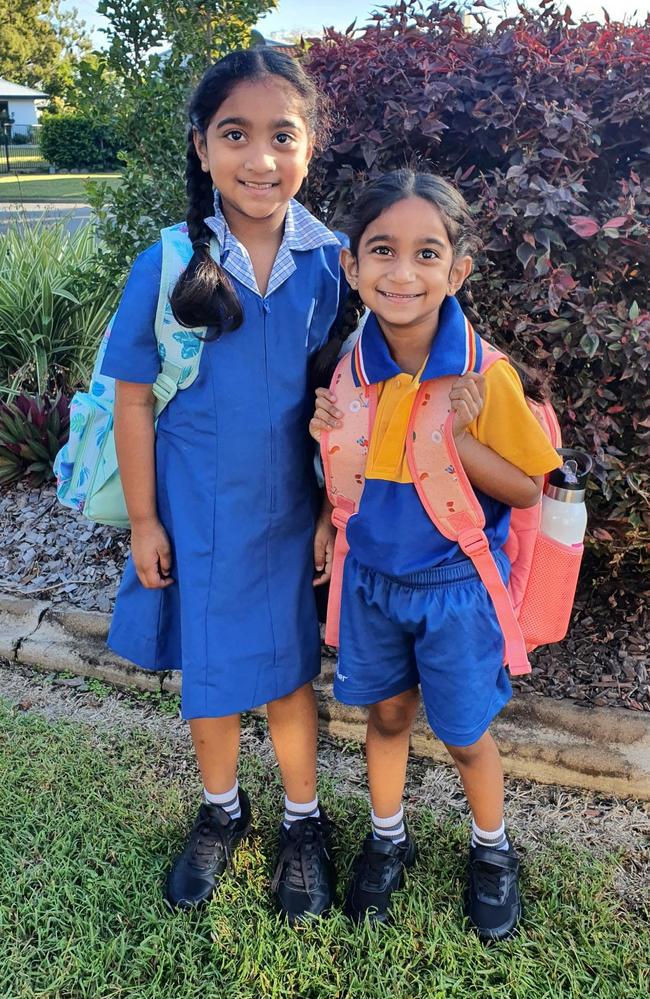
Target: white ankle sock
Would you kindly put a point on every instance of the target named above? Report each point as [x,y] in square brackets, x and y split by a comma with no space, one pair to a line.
[495,838]
[229,800]
[294,811]
[390,828]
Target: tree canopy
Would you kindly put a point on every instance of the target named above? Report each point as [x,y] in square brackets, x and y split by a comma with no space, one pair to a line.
[40,44]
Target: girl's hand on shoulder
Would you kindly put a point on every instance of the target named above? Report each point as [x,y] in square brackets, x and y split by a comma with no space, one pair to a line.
[466,396]
[326,415]
[324,538]
[152,554]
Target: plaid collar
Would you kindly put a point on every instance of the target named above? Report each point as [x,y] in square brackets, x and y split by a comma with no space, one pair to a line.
[301,232]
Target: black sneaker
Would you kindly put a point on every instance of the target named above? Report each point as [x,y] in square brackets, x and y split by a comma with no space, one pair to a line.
[493,902]
[378,872]
[304,879]
[207,854]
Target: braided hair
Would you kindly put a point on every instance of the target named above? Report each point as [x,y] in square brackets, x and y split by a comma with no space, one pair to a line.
[377,197]
[204,294]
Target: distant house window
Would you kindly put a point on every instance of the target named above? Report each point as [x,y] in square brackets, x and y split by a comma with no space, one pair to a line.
[4,110]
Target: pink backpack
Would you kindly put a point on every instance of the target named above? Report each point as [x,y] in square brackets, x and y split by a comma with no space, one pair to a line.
[536,606]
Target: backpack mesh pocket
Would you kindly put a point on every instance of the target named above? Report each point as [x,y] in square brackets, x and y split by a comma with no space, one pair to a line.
[546,607]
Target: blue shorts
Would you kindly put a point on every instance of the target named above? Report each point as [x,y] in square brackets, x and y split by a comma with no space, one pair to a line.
[436,628]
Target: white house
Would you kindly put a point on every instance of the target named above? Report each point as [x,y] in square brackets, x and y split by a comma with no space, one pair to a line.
[19,103]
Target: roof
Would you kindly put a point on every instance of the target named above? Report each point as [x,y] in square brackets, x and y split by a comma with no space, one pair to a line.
[289,48]
[13,90]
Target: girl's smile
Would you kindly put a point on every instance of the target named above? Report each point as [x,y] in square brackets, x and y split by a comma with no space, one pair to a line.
[393,296]
[254,186]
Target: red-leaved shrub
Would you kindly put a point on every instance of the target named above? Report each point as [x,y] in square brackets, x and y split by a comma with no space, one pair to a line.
[545,126]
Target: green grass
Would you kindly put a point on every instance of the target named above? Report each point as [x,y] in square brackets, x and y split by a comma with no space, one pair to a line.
[51,187]
[88,832]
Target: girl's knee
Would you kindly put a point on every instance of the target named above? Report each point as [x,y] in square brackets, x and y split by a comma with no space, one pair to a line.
[395,715]
[465,756]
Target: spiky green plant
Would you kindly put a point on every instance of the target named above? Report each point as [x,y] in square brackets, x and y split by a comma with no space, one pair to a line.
[52,308]
[32,429]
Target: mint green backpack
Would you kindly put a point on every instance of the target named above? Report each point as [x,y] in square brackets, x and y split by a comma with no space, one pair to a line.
[88,479]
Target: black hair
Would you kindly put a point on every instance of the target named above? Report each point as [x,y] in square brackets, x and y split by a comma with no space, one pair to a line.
[375,198]
[204,294]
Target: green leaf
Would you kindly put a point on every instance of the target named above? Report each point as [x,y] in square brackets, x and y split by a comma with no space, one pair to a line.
[634,311]
[525,253]
[64,293]
[557,326]
[590,343]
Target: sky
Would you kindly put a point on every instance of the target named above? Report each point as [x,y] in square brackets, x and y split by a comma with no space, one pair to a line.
[308,16]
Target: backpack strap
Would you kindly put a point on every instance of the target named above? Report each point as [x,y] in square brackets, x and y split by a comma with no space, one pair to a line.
[344,451]
[450,501]
[179,348]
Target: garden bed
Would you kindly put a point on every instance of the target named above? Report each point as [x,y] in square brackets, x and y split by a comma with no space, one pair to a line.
[47,552]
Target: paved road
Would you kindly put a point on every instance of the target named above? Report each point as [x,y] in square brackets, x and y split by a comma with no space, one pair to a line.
[24,213]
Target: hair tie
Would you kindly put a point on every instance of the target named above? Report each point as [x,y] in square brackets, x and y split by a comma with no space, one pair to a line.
[202,243]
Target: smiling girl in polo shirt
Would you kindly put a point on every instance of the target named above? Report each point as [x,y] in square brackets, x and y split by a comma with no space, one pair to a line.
[414,611]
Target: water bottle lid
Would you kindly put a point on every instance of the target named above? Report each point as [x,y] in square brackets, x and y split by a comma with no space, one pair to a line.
[574,472]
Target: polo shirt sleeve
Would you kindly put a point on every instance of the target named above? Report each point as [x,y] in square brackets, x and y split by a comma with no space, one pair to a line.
[132,351]
[507,425]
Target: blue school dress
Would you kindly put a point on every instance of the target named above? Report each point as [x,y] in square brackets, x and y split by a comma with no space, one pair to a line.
[235,480]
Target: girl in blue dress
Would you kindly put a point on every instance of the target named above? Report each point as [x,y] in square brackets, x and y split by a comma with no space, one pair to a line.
[221,498]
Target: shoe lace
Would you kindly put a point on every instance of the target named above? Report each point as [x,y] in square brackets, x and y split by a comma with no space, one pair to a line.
[299,861]
[490,881]
[210,837]
[372,870]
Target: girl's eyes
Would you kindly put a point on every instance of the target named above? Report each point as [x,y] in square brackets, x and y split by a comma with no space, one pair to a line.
[235,135]
[426,253]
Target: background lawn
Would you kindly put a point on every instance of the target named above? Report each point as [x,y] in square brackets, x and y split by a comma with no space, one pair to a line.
[51,187]
[88,832]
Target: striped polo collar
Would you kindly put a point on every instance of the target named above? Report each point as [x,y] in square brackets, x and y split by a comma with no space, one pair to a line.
[456,349]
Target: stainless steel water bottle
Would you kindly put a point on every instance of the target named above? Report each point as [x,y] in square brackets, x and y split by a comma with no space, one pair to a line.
[564,514]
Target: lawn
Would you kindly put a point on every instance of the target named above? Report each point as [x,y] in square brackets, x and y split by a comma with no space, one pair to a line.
[51,187]
[89,830]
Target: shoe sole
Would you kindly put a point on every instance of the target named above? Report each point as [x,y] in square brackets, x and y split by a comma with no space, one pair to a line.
[185,906]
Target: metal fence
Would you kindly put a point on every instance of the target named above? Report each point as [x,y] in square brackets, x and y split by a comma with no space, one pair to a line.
[20,150]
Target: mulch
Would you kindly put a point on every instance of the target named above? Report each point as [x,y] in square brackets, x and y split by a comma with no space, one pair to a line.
[46,552]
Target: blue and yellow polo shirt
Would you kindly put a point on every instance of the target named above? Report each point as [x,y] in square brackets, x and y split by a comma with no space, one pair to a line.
[392,532]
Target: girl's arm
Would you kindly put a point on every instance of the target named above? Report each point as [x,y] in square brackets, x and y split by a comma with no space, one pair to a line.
[486,469]
[134,442]
[495,476]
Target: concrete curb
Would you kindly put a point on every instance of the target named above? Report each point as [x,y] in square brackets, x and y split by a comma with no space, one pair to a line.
[541,739]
